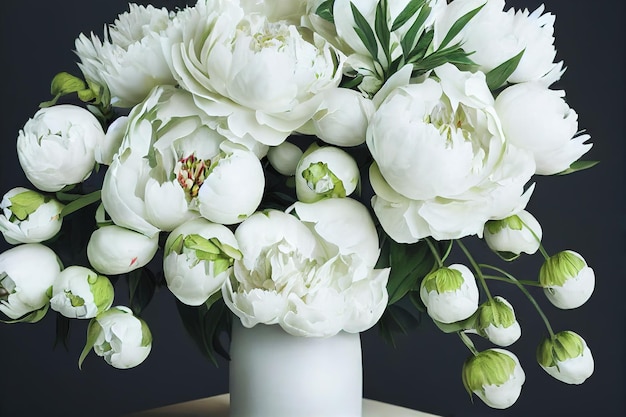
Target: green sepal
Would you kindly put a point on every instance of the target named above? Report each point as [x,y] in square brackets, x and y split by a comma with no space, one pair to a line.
[489,367]
[62,84]
[559,268]
[443,280]
[319,170]
[498,76]
[495,312]
[565,345]
[579,166]
[26,203]
[93,331]
[103,292]
[32,317]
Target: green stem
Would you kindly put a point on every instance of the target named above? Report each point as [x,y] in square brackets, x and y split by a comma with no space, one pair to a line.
[528,295]
[541,248]
[523,282]
[468,342]
[434,251]
[81,202]
[477,269]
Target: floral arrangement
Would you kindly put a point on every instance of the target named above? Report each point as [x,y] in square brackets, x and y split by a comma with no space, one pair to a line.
[306,164]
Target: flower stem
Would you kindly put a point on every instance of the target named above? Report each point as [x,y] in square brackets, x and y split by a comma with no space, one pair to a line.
[468,342]
[528,295]
[434,251]
[477,269]
[541,248]
[521,281]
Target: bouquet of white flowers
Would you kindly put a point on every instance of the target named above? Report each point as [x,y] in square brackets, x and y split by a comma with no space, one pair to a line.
[305,164]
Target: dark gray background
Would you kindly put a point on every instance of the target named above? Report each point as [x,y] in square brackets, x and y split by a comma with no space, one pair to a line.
[582,212]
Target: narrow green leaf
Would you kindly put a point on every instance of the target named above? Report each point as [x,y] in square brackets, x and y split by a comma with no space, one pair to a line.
[407,13]
[457,326]
[579,166]
[93,331]
[408,41]
[458,26]
[364,31]
[396,320]
[420,49]
[498,76]
[409,263]
[80,203]
[325,10]
[382,29]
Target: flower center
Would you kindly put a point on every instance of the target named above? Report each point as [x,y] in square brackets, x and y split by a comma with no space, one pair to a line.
[191,173]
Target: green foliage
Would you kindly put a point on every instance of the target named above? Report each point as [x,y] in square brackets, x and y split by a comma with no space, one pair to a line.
[325,10]
[498,76]
[396,320]
[579,166]
[142,284]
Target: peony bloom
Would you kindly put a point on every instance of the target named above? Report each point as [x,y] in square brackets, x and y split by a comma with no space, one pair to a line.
[324,172]
[172,167]
[567,280]
[129,62]
[566,357]
[26,274]
[114,250]
[291,10]
[450,294]
[262,79]
[122,339]
[80,293]
[494,36]
[312,274]
[56,147]
[29,217]
[443,167]
[496,321]
[539,120]
[495,376]
[198,258]
[515,234]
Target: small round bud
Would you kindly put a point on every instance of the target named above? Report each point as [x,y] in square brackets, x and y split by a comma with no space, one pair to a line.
[566,357]
[567,280]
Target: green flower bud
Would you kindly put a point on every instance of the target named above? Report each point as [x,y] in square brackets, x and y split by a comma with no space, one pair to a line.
[496,321]
[450,294]
[79,292]
[495,376]
[566,357]
[513,235]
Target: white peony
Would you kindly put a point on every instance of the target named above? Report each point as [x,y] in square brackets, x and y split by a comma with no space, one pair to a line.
[80,293]
[450,294]
[122,339]
[28,216]
[274,10]
[261,78]
[495,376]
[26,274]
[56,146]
[129,61]
[114,250]
[494,36]
[443,167]
[284,158]
[515,234]
[314,276]
[540,120]
[198,258]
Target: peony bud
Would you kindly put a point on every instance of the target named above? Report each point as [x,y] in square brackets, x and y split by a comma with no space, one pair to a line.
[450,294]
[495,376]
[56,147]
[80,293]
[26,274]
[122,339]
[567,280]
[566,357]
[114,250]
[284,158]
[496,321]
[198,258]
[325,172]
[29,217]
[515,234]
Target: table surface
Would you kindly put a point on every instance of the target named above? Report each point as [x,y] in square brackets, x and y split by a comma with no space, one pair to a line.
[218,406]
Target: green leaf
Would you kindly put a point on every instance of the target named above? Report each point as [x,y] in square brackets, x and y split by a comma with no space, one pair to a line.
[382,29]
[456,326]
[81,202]
[325,10]
[498,76]
[397,320]
[407,13]
[409,264]
[142,284]
[93,331]
[407,42]
[579,166]
[32,317]
[420,49]
[459,25]
[364,31]
[26,203]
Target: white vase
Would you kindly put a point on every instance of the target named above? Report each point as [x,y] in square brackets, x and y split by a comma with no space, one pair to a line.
[275,374]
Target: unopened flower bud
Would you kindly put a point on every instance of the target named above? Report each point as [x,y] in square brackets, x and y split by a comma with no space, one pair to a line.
[496,321]
[450,294]
[495,376]
[27,216]
[284,158]
[513,235]
[114,250]
[567,280]
[566,357]
[80,293]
